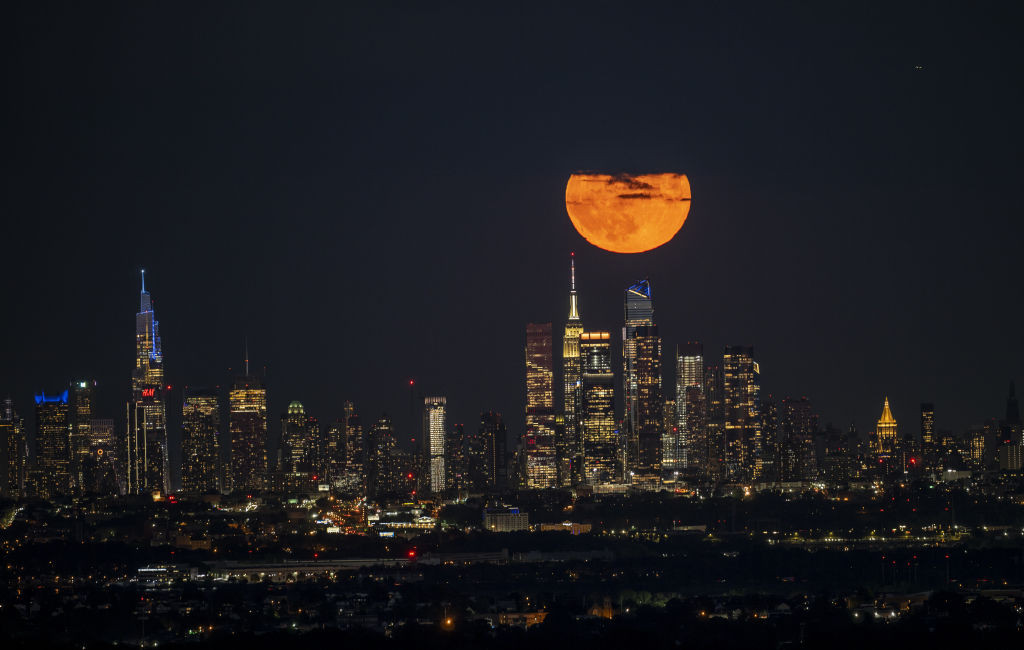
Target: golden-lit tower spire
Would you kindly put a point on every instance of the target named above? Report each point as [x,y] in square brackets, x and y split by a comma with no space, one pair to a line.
[886,432]
[887,417]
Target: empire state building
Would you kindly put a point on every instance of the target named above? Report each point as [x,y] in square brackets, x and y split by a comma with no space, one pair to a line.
[147,412]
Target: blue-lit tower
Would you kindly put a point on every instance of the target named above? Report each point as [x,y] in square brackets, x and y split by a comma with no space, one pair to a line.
[147,412]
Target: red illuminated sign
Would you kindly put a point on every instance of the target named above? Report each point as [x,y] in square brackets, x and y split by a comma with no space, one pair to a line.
[148,392]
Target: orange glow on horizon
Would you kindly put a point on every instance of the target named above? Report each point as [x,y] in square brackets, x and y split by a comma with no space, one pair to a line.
[627,213]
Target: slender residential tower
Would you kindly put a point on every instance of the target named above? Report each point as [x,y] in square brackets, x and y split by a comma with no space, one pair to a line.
[639,312]
[247,426]
[570,446]
[147,412]
[689,375]
[13,452]
[742,402]
[435,424]
[601,458]
[200,443]
[539,439]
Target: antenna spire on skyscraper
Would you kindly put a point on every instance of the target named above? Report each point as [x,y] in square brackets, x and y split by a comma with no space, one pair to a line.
[247,356]
[573,310]
[143,280]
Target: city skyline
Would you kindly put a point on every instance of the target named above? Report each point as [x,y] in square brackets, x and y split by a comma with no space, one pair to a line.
[815,205]
[270,440]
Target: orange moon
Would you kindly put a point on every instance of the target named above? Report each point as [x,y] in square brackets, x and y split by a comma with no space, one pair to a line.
[627,213]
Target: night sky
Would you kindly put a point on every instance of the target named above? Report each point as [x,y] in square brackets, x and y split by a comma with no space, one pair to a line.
[369,194]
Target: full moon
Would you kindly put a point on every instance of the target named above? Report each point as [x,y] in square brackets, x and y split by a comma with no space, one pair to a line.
[626,213]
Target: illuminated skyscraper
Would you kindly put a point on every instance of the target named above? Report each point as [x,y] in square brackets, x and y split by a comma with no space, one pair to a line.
[13,451]
[650,416]
[53,445]
[539,439]
[434,426]
[601,454]
[147,412]
[927,424]
[105,471]
[247,427]
[482,460]
[797,425]
[82,395]
[639,311]
[200,441]
[742,394]
[455,457]
[689,374]
[355,452]
[297,444]
[886,433]
[570,445]
[714,425]
[381,457]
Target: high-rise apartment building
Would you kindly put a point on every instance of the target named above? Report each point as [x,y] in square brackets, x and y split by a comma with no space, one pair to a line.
[247,428]
[689,374]
[455,460]
[381,459]
[650,415]
[355,451]
[798,424]
[435,423]
[569,447]
[297,443]
[147,413]
[53,445]
[105,471]
[742,393]
[714,425]
[13,451]
[82,396]
[200,441]
[539,438]
[482,460]
[927,424]
[601,455]
[639,312]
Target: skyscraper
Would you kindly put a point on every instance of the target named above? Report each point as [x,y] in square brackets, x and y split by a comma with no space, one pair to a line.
[355,452]
[601,456]
[380,457]
[13,451]
[570,447]
[539,438]
[689,374]
[482,459]
[434,426]
[714,424]
[798,424]
[147,413]
[200,441]
[927,424]
[639,311]
[886,432]
[297,444]
[742,393]
[53,445]
[247,426]
[455,457]
[650,416]
[105,471]
[81,421]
